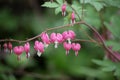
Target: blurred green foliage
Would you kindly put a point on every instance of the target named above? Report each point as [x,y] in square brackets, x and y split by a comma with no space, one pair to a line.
[54,64]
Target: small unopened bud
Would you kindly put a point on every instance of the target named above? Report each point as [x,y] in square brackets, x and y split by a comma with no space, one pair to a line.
[63,8]
[73,17]
[27,49]
[5,47]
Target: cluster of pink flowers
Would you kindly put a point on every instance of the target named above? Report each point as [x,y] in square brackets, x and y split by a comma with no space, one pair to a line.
[7,47]
[63,9]
[55,38]
[18,50]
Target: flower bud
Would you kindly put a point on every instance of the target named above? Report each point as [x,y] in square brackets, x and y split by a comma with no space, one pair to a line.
[5,47]
[73,17]
[63,8]
[27,49]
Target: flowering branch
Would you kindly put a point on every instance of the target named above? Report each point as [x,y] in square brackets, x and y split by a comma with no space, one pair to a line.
[68,25]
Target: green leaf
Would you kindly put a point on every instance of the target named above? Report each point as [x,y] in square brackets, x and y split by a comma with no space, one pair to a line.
[98,5]
[113,26]
[115,3]
[50,5]
[103,63]
[109,68]
[57,10]
[106,65]
[85,1]
[67,19]
[115,45]
[92,19]
[60,1]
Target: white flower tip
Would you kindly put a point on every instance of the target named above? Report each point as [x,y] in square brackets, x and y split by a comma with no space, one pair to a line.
[76,53]
[11,51]
[28,54]
[46,45]
[67,52]
[69,41]
[56,44]
[63,13]
[39,53]
[72,22]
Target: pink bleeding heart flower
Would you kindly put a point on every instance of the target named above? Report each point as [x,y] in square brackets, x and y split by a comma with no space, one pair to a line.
[73,17]
[39,47]
[63,8]
[56,38]
[45,39]
[5,47]
[27,49]
[76,47]
[18,50]
[67,47]
[10,47]
[68,35]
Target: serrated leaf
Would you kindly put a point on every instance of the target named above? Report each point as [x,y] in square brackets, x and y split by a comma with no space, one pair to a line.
[98,5]
[57,10]
[109,69]
[115,3]
[103,63]
[50,5]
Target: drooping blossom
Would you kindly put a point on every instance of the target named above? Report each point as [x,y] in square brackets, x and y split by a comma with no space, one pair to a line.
[76,47]
[39,47]
[67,47]
[45,39]
[68,35]
[56,38]
[10,47]
[5,47]
[63,8]
[18,50]
[73,17]
[27,49]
